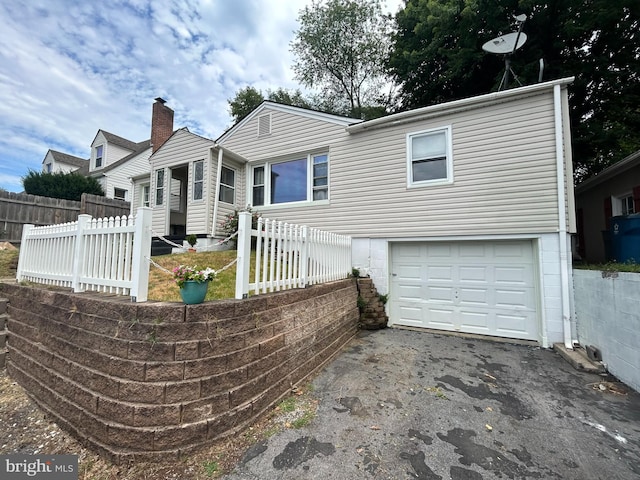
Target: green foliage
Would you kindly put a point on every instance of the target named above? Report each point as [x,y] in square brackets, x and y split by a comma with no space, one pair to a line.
[68,186]
[362,303]
[288,404]
[355,273]
[210,468]
[248,99]
[610,267]
[437,56]
[230,223]
[192,239]
[340,48]
[383,298]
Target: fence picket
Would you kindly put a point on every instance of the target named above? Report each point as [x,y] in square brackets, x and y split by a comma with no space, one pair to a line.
[106,254]
[291,256]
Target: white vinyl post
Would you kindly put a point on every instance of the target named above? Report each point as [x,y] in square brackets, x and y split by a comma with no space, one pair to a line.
[24,251]
[141,253]
[243,255]
[78,253]
[304,257]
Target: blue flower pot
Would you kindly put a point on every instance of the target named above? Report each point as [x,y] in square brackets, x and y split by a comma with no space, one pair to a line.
[193,292]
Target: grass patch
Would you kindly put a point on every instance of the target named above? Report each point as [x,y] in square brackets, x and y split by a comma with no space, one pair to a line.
[609,267]
[210,468]
[8,258]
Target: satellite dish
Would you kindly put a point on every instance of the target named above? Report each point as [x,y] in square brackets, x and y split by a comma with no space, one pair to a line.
[505,44]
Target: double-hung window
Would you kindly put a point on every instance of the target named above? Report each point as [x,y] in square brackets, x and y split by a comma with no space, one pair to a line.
[145,195]
[227,185]
[99,151]
[429,159]
[198,179]
[301,179]
[159,187]
[119,194]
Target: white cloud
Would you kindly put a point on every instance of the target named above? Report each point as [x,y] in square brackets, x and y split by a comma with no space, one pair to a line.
[69,68]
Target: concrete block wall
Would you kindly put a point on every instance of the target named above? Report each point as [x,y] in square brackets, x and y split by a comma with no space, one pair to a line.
[608,316]
[155,380]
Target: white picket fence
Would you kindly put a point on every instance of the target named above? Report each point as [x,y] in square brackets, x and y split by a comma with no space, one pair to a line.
[288,256]
[107,254]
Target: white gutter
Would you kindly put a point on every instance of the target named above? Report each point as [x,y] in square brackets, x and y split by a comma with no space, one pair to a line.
[215,200]
[562,218]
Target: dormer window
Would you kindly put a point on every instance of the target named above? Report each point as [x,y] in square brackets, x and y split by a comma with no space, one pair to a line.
[99,150]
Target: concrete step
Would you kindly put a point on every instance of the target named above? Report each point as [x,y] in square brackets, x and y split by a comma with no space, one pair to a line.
[579,359]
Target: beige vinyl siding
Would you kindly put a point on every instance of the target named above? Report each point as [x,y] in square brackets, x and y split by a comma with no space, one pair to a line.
[290,134]
[183,148]
[120,176]
[504,178]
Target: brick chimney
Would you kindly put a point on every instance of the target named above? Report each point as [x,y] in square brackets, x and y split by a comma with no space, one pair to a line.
[161,124]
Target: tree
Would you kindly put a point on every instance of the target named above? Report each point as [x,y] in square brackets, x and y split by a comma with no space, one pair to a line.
[340,48]
[69,186]
[436,56]
[249,98]
[246,101]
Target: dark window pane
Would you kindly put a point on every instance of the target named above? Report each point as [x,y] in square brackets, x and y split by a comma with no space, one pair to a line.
[320,194]
[289,181]
[431,169]
[227,194]
[197,191]
[227,177]
[258,196]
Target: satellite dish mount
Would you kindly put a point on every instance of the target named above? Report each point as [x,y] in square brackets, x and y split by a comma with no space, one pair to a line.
[507,45]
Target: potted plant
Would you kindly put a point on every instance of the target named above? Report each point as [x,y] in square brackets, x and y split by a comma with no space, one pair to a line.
[192,239]
[193,282]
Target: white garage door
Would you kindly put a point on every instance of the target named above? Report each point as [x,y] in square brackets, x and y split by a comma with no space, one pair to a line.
[486,288]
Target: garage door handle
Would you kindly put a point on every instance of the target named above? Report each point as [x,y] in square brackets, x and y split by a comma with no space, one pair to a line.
[394,274]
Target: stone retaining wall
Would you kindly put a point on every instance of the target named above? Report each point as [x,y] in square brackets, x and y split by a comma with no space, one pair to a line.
[154,380]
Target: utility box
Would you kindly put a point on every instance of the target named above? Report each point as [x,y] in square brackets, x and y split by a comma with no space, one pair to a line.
[625,238]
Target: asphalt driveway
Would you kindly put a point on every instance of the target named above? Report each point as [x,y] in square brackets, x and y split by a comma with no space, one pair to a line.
[400,404]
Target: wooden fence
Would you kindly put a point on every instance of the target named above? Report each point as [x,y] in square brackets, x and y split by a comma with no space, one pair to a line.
[18,209]
[107,254]
[288,256]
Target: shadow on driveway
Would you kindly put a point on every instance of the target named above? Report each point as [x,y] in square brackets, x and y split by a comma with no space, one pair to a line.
[400,404]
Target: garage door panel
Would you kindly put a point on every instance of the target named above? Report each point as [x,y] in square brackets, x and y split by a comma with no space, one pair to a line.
[439,273]
[520,275]
[441,318]
[473,296]
[479,287]
[514,298]
[440,294]
[477,274]
[410,293]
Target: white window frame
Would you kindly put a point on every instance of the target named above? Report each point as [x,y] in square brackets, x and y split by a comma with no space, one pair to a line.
[124,197]
[618,207]
[145,195]
[230,187]
[160,189]
[310,189]
[196,180]
[101,157]
[448,152]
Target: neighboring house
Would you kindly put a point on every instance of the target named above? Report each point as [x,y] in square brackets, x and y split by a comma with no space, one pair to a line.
[116,161]
[462,212]
[58,162]
[612,192]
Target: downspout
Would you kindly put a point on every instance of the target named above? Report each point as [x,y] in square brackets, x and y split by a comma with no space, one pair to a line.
[217,191]
[562,218]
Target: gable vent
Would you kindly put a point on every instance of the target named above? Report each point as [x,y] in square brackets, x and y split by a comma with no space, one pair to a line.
[264,125]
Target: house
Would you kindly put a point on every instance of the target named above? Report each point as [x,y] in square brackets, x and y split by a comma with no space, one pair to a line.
[114,160]
[59,162]
[612,192]
[461,212]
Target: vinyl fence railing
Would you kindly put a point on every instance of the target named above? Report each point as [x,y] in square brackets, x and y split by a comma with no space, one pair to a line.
[288,256]
[107,254]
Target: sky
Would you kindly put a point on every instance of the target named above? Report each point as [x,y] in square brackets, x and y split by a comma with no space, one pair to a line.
[70,68]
